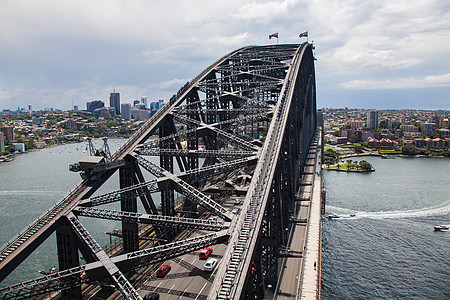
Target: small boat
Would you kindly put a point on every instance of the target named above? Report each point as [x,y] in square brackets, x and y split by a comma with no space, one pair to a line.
[441,227]
[333,216]
[352,215]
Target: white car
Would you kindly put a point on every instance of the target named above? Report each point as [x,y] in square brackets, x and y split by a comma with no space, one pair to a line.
[210,264]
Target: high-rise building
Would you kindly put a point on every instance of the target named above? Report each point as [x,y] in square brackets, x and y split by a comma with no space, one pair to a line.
[372,119]
[144,101]
[91,106]
[114,101]
[436,119]
[75,107]
[2,142]
[126,111]
[8,132]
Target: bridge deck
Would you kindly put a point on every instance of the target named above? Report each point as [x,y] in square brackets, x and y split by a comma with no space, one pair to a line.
[300,272]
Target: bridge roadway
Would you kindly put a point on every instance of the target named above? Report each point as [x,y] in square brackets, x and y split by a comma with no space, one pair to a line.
[298,278]
[300,270]
[254,111]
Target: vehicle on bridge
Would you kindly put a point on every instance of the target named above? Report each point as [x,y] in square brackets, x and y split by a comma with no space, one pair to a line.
[163,270]
[205,253]
[210,265]
[152,296]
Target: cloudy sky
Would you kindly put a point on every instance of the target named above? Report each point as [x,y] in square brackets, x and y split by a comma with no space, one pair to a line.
[379,54]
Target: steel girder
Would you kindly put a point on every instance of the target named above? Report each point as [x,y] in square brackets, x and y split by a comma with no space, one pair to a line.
[213,225]
[232,111]
[259,226]
[94,271]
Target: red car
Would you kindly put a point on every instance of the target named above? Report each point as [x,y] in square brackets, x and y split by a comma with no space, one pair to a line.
[205,253]
[163,270]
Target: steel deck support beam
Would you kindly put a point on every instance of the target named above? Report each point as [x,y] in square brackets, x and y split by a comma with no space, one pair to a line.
[128,203]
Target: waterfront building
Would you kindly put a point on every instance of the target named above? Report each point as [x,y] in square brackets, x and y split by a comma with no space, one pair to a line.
[93,105]
[372,119]
[8,132]
[383,144]
[2,142]
[19,147]
[419,143]
[126,111]
[114,101]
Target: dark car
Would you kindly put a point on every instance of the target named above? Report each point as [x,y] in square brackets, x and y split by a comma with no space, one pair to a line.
[163,270]
[152,296]
[205,253]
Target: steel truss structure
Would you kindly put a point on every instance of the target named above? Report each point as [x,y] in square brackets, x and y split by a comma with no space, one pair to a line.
[243,126]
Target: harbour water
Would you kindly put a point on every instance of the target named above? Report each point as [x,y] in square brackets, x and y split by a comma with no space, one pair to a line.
[389,249]
[32,184]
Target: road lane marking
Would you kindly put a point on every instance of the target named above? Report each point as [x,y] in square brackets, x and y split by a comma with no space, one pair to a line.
[170,289]
[182,293]
[157,286]
[199,293]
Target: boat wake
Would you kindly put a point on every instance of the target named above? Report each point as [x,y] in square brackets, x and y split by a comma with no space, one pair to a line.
[345,213]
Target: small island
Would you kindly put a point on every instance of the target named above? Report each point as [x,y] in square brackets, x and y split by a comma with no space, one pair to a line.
[332,161]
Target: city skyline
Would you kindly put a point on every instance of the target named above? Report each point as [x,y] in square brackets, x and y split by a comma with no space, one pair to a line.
[378,55]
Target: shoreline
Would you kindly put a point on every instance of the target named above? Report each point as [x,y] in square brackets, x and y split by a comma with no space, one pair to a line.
[348,170]
[391,155]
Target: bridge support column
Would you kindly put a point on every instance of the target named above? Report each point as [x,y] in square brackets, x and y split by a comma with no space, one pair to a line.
[128,203]
[166,162]
[66,243]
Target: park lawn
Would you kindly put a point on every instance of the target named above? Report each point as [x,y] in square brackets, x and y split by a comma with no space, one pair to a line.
[343,167]
[390,151]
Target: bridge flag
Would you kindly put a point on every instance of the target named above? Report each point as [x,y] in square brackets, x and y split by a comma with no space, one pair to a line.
[303,34]
[273,35]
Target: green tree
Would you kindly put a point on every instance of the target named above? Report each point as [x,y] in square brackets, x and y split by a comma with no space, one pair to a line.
[30,144]
[365,165]
[409,149]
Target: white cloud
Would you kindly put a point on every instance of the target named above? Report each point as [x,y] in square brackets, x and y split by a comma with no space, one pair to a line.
[73,45]
[400,83]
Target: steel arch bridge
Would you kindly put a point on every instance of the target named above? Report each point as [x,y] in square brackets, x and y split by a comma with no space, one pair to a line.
[241,128]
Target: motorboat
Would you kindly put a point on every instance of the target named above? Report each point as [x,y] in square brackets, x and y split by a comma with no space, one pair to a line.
[352,215]
[333,216]
[441,227]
